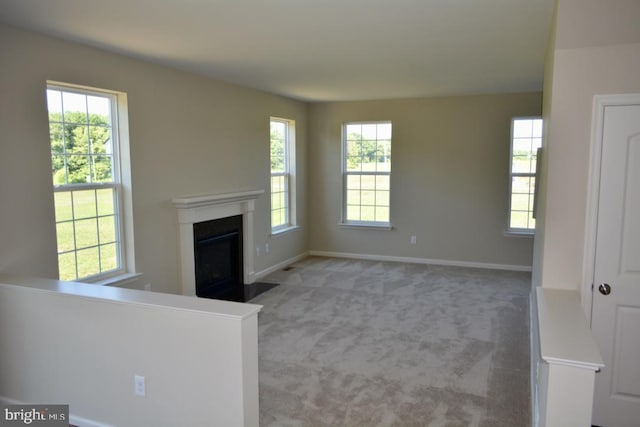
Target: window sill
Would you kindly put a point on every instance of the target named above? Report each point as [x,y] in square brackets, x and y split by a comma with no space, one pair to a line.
[284,230]
[513,233]
[360,226]
[118,280]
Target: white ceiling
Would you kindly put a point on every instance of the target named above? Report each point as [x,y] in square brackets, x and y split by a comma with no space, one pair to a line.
[317,50]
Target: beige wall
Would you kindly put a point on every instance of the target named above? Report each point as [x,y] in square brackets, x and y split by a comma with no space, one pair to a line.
[596,51]
[189,134]
[449,178]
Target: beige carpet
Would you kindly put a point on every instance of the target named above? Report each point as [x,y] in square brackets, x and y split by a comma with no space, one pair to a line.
[363,343]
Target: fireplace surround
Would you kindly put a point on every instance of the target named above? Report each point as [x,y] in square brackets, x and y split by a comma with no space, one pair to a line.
[205,207]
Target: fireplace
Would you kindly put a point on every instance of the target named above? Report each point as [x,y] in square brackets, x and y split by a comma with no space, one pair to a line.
[197,209]
[218,258]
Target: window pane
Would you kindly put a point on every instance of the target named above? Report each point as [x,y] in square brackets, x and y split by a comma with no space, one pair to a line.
[107,229]
[56,134]
[99,106]
[88,262]
[106,201]
[369,159]
[522,184]
[108,257]
[67,266]
[382,198]
[84,204]
[353,182]
[75,107]
[354,149]
[54,102]
[522,128]
[382,182]
[86,233]
[384,131]
[384,156]
[354,132]
[522,146]
[368,182]
[382,214]
[521,164]
[367,213]
[353,197]
[370,131]
[519,219]
[62,202]
[537,128]
[78,169]
[368,198]
[101,167]
[65,236]
[353,213]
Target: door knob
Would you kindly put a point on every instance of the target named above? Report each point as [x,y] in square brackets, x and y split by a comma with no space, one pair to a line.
[604,288]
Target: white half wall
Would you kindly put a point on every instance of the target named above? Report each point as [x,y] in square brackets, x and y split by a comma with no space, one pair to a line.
[77,344]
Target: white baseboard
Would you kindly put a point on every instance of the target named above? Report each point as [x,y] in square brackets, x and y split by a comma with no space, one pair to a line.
[370,257]
[280,265]
[73,419]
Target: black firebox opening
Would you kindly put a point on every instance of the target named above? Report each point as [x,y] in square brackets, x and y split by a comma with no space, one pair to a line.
[218,258]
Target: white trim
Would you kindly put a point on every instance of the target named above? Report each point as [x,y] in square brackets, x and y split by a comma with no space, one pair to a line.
[382,226]
[121,183]
[289,173]
[125,280]
[373,257]
[519,231]
[344,221]
[564,334]
[600,102]
[284,230]
[280,265]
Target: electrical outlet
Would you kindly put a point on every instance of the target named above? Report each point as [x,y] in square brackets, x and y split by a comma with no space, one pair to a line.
[413,240]
[139,385]
[147,287]
[257,250]
[266,248]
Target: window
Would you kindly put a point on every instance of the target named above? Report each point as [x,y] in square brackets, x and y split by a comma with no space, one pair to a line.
[87,183]
[366,165]
[526,139]
[282,174]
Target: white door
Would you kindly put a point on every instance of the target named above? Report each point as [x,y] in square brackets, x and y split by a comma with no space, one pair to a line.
[616,296]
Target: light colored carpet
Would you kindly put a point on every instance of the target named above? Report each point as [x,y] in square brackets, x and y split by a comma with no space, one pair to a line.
[363,343]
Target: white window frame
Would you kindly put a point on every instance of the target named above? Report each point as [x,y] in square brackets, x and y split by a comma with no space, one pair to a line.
[530,230]
[121,173]
[344,221]
[289,178]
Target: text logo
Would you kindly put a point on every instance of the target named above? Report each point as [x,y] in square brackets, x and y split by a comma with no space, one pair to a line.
[35,415]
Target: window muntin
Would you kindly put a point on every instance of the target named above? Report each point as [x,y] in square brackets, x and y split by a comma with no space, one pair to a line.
[281,160]
[526,138]
[366,164]
[87,190]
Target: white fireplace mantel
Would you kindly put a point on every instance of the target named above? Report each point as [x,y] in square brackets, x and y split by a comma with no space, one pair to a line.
[206,207]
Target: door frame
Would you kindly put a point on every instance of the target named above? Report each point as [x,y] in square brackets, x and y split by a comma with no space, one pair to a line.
[600,102]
